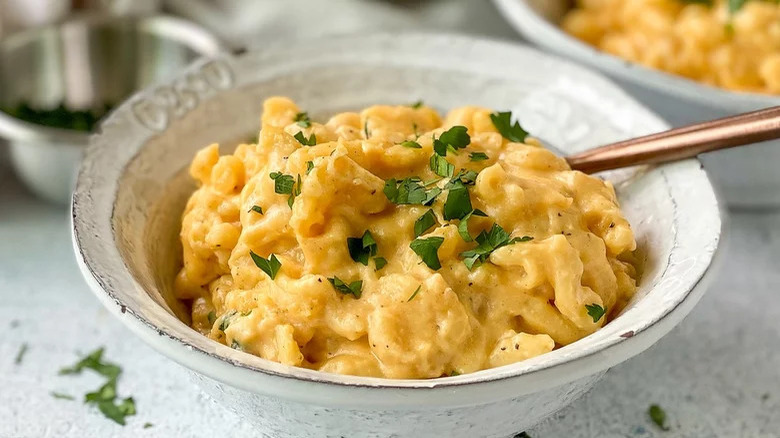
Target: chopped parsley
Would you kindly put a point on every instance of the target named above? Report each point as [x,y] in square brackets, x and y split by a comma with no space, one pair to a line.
[478,156]
[658,415]
[104,397]
[365,129]
[379,263]
[409,191]
[285,185]
[467,177]
[416,291]
[20,355]
[148,425]
[428,249]
[463,226]
[212,316]
[736,5]
[270,265]
[503,123]
[362,248]
[309,166]
[62,396]
[440,166]
[595,311]
[302,120]
[487,242]
[311,141]
[227,318]
[457,137]
[256,209]
[458,203]
[236,345]
[424,223]
[411,144]
[417,104]
[355,288]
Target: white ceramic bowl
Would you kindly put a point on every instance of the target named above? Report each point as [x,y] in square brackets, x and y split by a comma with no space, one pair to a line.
[747,176]
[133,185]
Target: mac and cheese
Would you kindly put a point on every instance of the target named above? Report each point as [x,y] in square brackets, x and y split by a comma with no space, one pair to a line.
[391,243]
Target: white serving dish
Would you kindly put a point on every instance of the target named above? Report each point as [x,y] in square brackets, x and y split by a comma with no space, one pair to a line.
[133,185]
[747,176]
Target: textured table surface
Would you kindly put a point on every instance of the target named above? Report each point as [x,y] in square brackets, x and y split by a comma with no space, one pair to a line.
[717,374]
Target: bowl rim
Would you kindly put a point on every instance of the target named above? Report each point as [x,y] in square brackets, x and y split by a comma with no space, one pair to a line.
[197,38]
[257,375]
[542,32]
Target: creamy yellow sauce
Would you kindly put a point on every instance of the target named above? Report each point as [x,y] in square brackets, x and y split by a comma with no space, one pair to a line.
[737,50]
[410,320]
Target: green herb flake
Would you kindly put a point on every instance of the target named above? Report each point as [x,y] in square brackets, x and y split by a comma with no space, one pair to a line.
[62,396]
[227,318]
[512,132]
[658,415]
[440,166]
[283,184]
[424,223]
[256,209]
[487,242]
[302,120]
[417,105]
[366,132]
[309,166]
[117,412]
[457,137]
[428,249]
[94,362]
[379,263]
[736,5]
[595,311]
[311,141]
[478,156]
[411,144]
[355,288]
[416,291]
[20,354]
[463,226]
[409,191]
[148,425]
[236,345]
[458,203]
[212,316]
[270,266]
[362,248]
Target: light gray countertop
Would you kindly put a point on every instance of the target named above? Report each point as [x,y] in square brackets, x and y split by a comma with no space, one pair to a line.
[716,375]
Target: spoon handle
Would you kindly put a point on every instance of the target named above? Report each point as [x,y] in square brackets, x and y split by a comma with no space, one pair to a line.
[685,142]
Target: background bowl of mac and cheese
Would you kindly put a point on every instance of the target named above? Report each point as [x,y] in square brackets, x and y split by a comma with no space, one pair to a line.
[133,186]
[747,177]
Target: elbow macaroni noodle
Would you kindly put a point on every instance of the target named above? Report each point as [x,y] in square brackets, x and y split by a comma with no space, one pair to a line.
[739,51]
[410,321]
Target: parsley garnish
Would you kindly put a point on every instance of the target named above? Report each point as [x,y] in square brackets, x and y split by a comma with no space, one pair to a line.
[736,5]
[417,104]
[302,119]
[285,185]
[428,249]
[256,209]
[355,288]
[365,129]
[106,396]
[489,241]
[595,311]
[270,266]
[409,191]
[411,144]
[227,318]
[467,177]
[311,141]
[362,248]
[236,345]
[379,263]
[463,226]
[148,425]
[309,166]
[424,222]
[458,203]
[440,166]
[20,355]
[62,396]
[512,132]
[457,137]
[416,291]
[658,415]
[478,156]
[212,316]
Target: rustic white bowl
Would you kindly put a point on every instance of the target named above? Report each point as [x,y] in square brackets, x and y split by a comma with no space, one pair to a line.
[747,176]
[133,185]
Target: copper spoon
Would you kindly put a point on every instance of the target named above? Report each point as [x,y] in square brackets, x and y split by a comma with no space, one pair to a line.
[684,142]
